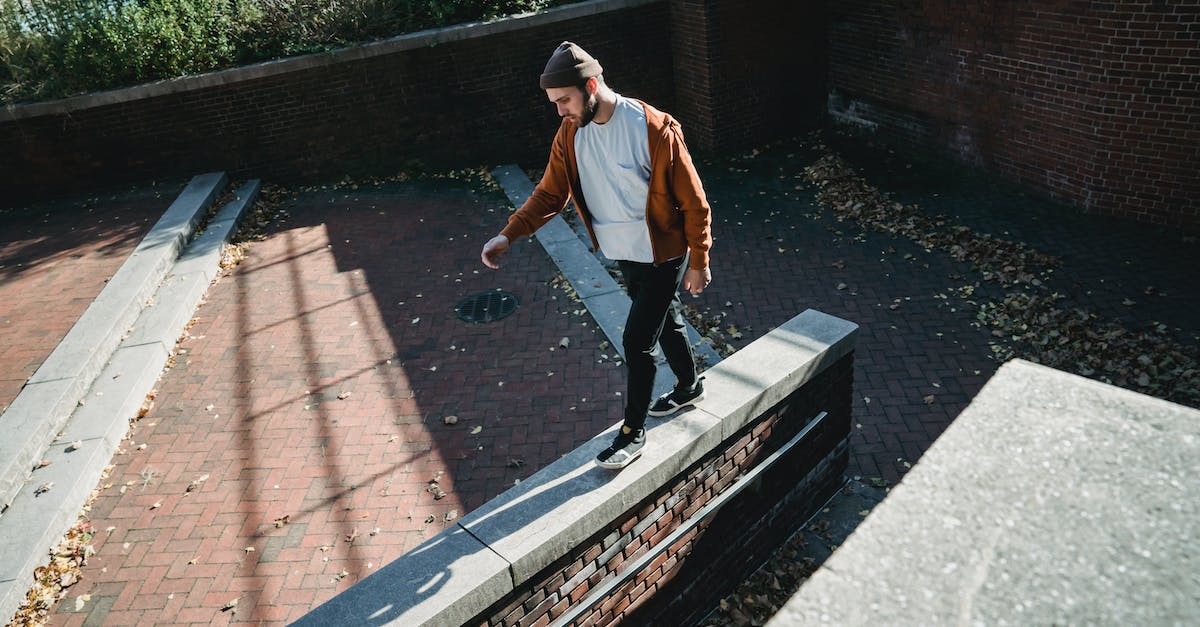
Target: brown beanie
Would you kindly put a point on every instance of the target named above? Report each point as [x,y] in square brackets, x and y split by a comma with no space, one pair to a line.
[569,66]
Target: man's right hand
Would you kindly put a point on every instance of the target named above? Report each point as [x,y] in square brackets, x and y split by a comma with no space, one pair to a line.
[492,250]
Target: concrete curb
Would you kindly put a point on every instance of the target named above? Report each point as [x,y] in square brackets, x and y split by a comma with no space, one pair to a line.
[605,300]
[42,407]
[34,523]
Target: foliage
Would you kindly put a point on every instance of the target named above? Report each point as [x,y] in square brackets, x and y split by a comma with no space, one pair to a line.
[56,48]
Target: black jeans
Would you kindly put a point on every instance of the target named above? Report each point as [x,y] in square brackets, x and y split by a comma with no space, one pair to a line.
[655,317]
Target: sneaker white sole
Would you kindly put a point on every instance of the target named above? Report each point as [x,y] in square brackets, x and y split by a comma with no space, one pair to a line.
[621,464]
[668,412]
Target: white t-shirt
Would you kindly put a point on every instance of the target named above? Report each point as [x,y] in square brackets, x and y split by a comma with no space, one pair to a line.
[614,172]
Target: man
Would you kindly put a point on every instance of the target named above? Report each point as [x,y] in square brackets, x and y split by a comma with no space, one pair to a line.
[633,182]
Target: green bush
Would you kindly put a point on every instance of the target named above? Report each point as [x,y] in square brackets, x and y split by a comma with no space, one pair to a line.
[56,48]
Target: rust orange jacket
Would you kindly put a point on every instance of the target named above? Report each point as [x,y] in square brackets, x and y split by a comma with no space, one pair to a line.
[677,212]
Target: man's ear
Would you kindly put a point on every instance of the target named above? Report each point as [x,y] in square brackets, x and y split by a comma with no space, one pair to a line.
[592,85]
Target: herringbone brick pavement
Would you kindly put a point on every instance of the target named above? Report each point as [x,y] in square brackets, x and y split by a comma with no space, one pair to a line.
[305,412]
[55,257]
[299,442]
[920,358]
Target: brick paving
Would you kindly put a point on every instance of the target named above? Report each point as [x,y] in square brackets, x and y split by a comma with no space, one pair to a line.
[318,373]
[55,257]
[920,358]
[314,386]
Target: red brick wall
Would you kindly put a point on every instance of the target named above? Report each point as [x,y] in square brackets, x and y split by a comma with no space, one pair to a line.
[1094,103]
[454,104]
[683,583]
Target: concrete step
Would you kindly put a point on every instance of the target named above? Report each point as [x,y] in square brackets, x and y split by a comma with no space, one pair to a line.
[41,409]
[33,523]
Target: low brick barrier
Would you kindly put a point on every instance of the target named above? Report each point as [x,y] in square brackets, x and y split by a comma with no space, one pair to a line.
[548,544]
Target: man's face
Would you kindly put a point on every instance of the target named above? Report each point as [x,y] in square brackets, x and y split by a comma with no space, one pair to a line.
[574,104]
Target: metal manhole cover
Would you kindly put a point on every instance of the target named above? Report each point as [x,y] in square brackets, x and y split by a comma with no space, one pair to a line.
[487,306]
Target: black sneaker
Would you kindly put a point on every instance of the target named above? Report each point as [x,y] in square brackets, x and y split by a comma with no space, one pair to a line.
[625,448]
[677,399]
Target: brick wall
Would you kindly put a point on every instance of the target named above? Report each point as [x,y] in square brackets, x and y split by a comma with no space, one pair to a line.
[466,102]
[686,581]
[1093,103]
[747,73]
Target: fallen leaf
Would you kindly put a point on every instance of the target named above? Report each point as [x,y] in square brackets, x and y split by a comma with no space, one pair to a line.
[248,549]
[564,343]
[343,396]
[196,483]
[157,504]
[929,399]
[450,420]
[475,430]
[229,605]
[44,488]
[74,446]
[282,520]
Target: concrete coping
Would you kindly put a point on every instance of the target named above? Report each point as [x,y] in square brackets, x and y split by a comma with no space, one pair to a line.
[410,41]
[1052,499]
[46,401]
[503,544]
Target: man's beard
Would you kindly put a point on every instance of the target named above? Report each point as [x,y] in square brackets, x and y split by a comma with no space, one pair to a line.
[589,110]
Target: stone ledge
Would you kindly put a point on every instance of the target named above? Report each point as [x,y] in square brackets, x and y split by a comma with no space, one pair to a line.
[1052,499]
[534,523]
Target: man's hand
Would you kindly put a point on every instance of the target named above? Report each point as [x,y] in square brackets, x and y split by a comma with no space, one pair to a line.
[695,281]
[492,250]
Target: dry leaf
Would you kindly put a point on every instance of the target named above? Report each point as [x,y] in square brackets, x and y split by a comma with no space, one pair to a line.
[343,396]
[229,605]
[475,430]
[450,420]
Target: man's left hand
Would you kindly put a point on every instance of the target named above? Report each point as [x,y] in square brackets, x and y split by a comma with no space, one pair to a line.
[695,280]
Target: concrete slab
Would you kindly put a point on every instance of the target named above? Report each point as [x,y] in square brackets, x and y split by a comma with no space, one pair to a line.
[777,363]
[29,424]
[1052,499]
[587,276]
[34,523]
[203,254]
[536,521]
[117,395]
[446,580]
[174,304]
